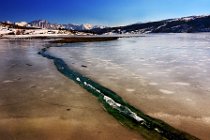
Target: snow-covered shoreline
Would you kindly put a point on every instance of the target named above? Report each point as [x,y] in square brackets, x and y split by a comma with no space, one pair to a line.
[35,36]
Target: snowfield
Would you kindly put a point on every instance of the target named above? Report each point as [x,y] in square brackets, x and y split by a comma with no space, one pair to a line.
[14,33]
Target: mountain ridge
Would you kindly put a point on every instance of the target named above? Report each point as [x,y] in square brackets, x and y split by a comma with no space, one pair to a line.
[190,24]
[68,26]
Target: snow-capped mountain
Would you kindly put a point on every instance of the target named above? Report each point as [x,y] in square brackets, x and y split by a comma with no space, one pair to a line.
[48,25]
[78,27]
[22,23]
[45,24]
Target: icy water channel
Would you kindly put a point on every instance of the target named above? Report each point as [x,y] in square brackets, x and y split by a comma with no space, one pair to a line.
[165,75]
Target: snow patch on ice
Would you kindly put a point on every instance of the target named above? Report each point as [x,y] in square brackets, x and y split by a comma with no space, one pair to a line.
[122,109]
[180,83]
[153,84]
[162,115]
[189,100]
[156,129]
[164,91]
[78,79]
[130,90]
[111,102]
[8,81]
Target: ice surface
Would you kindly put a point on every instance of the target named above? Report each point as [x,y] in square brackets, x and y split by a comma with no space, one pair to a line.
[166,73]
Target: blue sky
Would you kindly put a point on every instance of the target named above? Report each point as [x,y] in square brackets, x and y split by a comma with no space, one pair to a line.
[105,12]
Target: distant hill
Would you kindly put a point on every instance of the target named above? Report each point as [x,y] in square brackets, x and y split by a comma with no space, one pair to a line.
[190,24]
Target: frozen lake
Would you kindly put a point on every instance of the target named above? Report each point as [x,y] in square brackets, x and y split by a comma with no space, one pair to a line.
[165,75]
[37,102]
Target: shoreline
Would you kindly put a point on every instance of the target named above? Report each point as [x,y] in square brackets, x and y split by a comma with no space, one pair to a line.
[66,36]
